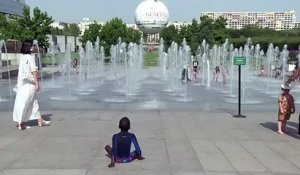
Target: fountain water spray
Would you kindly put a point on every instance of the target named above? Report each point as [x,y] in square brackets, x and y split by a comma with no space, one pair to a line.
[284,56]
[162,59]
[40,68]
[2,45]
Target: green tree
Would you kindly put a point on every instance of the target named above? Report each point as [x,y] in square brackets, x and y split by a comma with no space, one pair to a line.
[3,27]
[9,28]
[91,33]
[36,27]
[13,28]
[254,30]
[194,38]
[71,30]
[56,31]
[220,32]
[205,30]
[190,34]
[190,37]
[133,35]
[234,33]
[111,32]
[169,34]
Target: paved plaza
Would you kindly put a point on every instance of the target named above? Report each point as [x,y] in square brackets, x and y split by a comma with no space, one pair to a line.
[173,142]
[197,137]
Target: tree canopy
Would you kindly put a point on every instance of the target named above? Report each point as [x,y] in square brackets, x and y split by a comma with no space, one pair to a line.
[92,33]
[109,33]
[35,27]
[71,30]
[27,27]
[215,32]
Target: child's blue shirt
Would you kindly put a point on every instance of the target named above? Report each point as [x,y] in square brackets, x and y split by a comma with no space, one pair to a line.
[121,143]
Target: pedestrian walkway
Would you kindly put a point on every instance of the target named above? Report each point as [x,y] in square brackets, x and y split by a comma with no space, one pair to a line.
[173,143]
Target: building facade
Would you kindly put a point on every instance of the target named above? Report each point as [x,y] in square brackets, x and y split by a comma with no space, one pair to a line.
[84,24]
[12,7]
[58,24]
[274,20]
[179,24]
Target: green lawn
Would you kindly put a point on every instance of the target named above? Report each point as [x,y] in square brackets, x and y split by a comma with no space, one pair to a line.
[58,59]
[151,58]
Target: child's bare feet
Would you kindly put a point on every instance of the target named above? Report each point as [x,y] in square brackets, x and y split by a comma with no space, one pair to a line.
[280,132]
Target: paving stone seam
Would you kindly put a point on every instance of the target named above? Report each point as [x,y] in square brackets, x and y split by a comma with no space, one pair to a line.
[214,142]
[165,143]
[189,142]
[282,156]
[17,158]
[97,153]
[236,171]
[292,145]
[267,169]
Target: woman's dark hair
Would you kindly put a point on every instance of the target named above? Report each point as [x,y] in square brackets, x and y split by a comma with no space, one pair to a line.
[26,47]
[124,124]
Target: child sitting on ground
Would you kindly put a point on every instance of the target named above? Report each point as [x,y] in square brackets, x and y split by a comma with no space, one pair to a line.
[286,108]
[121,145]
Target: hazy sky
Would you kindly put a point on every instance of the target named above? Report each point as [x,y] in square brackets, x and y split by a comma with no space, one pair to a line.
[180,10]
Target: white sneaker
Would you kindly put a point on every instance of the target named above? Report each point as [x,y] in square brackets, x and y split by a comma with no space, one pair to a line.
[20,127]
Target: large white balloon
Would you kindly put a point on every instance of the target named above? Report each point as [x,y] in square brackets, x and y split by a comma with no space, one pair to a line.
[151,16]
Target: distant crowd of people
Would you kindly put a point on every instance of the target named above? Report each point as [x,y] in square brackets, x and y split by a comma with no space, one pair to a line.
[220,72]
[275,72]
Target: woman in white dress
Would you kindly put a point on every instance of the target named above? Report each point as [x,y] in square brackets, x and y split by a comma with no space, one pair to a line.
[26,107]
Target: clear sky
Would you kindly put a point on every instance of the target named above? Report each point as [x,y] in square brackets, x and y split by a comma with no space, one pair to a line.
[180,10]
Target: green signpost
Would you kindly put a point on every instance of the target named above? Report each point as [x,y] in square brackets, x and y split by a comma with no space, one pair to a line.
[239,61]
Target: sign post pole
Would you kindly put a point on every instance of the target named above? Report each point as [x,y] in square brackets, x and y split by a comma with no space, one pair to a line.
[239,61]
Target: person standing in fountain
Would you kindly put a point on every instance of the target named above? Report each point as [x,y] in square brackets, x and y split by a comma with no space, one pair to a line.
[121,145]
[217,73]
[195,69]
[74,65]
[185,73]
[295,74]
[25,106]
[286,108]
[262,71]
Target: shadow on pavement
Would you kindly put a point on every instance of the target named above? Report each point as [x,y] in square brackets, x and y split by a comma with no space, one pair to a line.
[46,117]
[293,131]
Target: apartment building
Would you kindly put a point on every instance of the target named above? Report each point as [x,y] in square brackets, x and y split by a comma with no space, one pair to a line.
[274,20]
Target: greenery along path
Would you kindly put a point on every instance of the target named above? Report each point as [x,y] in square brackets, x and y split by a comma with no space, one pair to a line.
[151,58]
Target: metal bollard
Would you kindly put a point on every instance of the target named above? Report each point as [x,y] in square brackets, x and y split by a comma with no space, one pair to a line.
[299,125]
